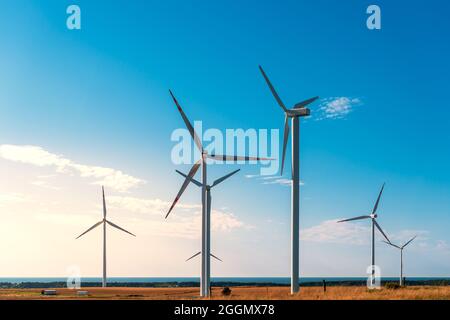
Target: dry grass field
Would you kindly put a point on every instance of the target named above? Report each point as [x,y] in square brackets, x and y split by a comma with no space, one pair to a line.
[238,293]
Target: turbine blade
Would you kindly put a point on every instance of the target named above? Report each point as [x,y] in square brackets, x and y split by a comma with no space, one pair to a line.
[94,226]
[194,135]
[117,227]
[379,228]
[215,183]
[305,103]
[236,158]
[391,244]
[197,183]
[274,93]
[215,257]
[104,203]
[378,200]
[193,256]
[409,242]
[191,173]
[356,218]
[285,141]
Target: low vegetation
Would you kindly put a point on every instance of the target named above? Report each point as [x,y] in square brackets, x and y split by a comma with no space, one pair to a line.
[240,293]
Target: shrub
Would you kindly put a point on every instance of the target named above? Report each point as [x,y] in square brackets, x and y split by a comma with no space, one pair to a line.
[392,285]
[226,291]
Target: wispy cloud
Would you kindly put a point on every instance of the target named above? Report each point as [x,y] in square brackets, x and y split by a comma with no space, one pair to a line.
[185,222]
[42,181]
[147,217]
[403,236]
[273,180]
[337,107]
[37,156]
[147,206]
[443,245]
[72,219]
[282,182]
[330,231]
[9,198]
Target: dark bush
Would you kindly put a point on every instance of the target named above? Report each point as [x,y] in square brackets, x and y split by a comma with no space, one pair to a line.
[226,291]
[392,285]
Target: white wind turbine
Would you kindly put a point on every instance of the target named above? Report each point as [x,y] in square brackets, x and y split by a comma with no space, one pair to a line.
[299,110]
[401,256]
[208,211]
[373,217]
[204,283]
[104,222]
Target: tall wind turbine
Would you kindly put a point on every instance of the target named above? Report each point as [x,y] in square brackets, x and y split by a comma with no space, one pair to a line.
[299,110]
[208,212]
[104,222]
[204,289]
[401,256]
[373,216]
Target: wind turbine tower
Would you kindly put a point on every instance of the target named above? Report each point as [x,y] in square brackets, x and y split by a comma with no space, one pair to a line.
[401,256]
[298,111]
[204,279]
[373,216]
[104,222]
[208,226]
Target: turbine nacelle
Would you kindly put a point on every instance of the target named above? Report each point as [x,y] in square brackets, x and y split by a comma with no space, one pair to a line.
[302,112]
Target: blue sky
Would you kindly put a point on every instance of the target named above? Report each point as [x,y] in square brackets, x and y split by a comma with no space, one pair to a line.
[99,96]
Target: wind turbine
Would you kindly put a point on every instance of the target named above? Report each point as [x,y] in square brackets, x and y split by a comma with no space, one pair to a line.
[373,217]
[401,256]
[208,212]
[299,110]
[104,222]
[204,286]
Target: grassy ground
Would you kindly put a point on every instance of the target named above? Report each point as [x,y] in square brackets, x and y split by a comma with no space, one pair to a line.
[239,293]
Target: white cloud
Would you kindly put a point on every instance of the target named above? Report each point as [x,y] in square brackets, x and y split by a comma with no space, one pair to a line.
[146,206]
[282,181]
[330,231]
[185,222]
[67,219]
[403,236]
[9,198]
[337,107]
[42,183]
[222,221]
[359,233]
[443,245]
[273,180]
[37,156]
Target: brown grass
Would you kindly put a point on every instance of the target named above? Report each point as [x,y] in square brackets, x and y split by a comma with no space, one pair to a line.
[238,293]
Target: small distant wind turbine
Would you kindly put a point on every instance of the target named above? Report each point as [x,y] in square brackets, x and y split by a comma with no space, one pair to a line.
[204,287]
[401,256]
[104,221]
[208,227]
[299,110]
[373,217]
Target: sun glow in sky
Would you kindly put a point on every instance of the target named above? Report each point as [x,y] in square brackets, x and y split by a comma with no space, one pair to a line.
[90,107]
